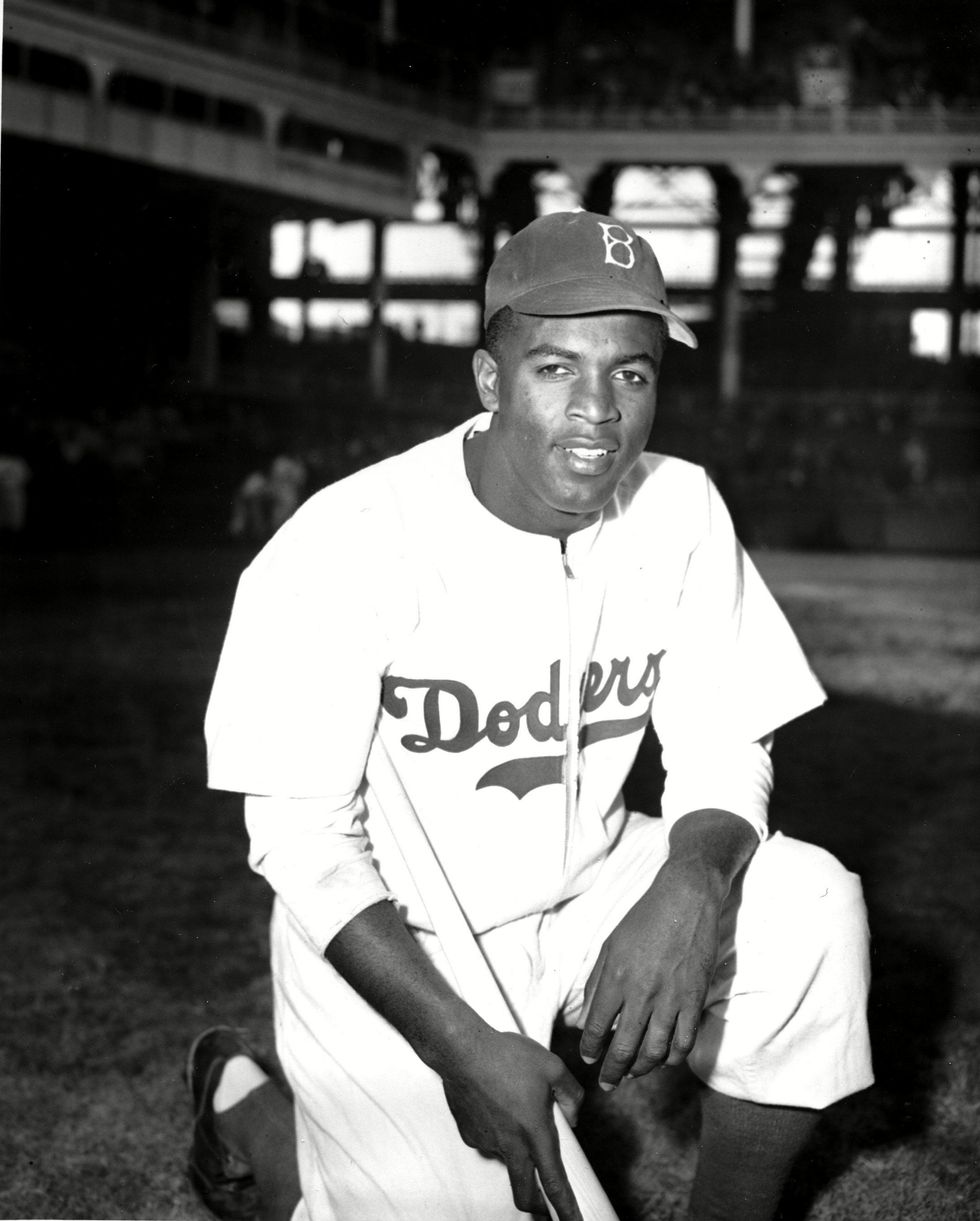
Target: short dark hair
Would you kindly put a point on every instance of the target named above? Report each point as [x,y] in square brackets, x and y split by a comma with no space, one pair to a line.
[663,333]
[500,327]
[503,323]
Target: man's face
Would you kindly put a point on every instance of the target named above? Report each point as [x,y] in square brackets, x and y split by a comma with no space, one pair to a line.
[573,402]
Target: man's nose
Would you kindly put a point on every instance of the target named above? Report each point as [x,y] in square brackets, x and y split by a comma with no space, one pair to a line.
[593,400]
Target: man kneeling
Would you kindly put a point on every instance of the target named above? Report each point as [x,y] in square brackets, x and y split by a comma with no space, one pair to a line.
[503,610]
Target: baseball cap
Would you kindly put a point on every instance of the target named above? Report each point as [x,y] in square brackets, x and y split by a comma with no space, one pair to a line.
[580,263]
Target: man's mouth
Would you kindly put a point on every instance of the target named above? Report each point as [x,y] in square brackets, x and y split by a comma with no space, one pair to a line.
[589,459]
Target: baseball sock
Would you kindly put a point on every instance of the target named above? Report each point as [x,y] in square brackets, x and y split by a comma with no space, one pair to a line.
[254,1120]
[746,1152]
[239,1077]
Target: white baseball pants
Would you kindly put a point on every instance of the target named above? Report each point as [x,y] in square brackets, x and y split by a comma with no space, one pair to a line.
[784,1024]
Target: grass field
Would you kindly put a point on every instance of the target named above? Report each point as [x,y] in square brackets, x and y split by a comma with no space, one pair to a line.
[130,920]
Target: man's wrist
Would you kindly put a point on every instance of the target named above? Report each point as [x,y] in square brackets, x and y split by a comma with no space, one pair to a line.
[448,1041]
[701,878]
[711,847]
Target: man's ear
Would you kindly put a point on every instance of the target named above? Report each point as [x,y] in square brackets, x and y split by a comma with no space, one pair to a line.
[487,377]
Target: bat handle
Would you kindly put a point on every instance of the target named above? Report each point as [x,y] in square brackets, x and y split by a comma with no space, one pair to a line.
[592,1201]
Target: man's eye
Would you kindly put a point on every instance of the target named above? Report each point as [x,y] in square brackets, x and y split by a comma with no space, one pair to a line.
[552,370]
[632,376]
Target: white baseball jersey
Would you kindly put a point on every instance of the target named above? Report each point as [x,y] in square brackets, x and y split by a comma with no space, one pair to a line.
[511,679]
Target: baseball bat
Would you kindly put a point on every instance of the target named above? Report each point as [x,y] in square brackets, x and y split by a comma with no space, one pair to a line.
[475,981]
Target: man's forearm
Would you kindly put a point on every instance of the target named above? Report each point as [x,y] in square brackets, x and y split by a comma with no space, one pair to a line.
[500,1087]
[378,956]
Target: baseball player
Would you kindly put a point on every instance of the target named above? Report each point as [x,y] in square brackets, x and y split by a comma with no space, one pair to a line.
[504,609]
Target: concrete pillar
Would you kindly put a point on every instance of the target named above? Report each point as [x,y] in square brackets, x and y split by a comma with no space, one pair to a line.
[742,31]
[844,225]
[599,191]
[957,271]
[488,243]
[100,68]
[378,335]
[732,215]
[203,356]
[256,238]
[735,186]
[486,227]
[306,273]
[487,172]
[272,116]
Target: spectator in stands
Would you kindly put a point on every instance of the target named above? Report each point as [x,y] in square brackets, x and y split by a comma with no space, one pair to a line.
[15,474]
[286,483]
[250,509]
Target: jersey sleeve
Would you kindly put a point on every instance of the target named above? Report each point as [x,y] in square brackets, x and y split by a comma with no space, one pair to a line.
[732,673]
[295,702]
[297,689]
[317,858]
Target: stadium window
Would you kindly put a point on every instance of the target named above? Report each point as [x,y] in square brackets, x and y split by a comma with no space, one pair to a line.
[237,117]
[190,105]
[901,259]
[286,316]
[675,209]
[137,92]
[343,247]
[931,334]
[430,185]
[306,136]
[14,58]
[554,191]
[970,333]
[758,257]
[429,250]
[687,256]
[326,318]
[771,202]
[454,323]
[57,71]
[232,314]
[353,149]
[923,201]
[658,195]
[287,249]
[973,199]
[971,269]
[375,154]
[820,270]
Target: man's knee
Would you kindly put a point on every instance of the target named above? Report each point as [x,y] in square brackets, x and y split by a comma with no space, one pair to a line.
[809,902]
[802,873]
[786,1025]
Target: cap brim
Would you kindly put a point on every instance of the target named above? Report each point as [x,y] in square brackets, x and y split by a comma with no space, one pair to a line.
[588,296]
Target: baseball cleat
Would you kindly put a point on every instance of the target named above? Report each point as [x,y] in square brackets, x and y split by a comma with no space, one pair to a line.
[220,1177]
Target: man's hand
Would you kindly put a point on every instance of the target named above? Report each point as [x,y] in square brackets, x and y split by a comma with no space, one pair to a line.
[501,1095]
[501,1088]
[646,992]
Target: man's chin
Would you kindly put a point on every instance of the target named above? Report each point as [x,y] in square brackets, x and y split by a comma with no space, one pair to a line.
[584,509]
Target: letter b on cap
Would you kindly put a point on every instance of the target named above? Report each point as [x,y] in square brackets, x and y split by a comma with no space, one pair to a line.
[619,245]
